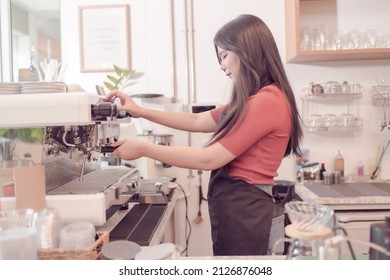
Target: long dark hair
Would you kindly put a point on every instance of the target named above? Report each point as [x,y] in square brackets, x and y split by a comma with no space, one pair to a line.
[260,65]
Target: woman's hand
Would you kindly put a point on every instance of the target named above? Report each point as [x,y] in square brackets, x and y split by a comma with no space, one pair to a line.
[129,149]
[127,103]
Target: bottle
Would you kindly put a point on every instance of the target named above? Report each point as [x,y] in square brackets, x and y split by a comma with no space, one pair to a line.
[360,169]
[322,170]
[300,178]
[339,164]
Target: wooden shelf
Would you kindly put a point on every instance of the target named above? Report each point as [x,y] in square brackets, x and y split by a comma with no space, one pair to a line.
[339,55]
[332,97]
[293,51]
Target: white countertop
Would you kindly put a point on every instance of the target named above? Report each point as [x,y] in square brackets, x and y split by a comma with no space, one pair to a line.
[364,202]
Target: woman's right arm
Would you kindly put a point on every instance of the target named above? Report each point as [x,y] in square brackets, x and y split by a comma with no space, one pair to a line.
[200,122]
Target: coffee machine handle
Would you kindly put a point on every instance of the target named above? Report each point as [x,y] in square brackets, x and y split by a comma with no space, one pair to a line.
[107,149]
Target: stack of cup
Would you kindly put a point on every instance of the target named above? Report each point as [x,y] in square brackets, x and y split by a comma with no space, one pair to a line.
[77,235]
[48,224]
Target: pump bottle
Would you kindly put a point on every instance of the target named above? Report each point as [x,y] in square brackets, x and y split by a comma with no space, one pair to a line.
[339,164]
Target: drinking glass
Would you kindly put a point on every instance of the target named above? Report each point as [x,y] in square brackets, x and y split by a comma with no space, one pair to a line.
[17,235]
[345,43]
[306,38]
[330,120]
[16,218]
[354,36]
[319,36]
[385,40]
[347,120]
[372,38]
[18,244]
[336,40]
[316,121]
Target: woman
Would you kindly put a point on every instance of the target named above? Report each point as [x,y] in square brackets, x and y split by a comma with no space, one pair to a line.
[251,135]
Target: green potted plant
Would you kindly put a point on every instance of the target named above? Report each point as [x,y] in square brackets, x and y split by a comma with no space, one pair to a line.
[122,79]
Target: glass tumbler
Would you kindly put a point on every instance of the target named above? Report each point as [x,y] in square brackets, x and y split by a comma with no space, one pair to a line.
[330,120]
[306,38]
[17,235]
[18,244]
[347,120]
[319,35]
[316,121]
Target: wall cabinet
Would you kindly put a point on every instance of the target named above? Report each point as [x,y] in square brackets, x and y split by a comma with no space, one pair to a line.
[300,13]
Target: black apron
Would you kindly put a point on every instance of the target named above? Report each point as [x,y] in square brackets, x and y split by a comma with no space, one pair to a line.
[240,215]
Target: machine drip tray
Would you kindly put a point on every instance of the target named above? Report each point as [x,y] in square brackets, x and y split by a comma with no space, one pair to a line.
[139,224]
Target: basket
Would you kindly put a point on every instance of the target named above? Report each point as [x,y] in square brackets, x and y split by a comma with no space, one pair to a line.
[92,252]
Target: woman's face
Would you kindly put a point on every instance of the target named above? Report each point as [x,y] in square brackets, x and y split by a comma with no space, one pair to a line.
[230,64]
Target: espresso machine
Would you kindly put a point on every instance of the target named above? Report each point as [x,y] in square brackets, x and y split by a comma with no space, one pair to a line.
[79,128]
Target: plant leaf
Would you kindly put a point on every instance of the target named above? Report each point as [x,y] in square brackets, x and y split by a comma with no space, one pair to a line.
[136,75]
[113,79]
[118,71]
[109,86]
[128,72]
[121,78]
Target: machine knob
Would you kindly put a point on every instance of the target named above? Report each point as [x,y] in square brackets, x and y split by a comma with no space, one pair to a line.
[105,109]
[133,186]
[158,186]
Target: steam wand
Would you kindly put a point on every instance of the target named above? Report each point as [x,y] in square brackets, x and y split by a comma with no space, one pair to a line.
[85,155]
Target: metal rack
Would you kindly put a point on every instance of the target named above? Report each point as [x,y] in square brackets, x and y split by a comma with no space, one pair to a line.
[337,111]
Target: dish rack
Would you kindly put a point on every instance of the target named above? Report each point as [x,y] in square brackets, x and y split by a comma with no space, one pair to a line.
[92,252]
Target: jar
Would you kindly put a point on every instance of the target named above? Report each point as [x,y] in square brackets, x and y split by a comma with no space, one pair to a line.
[337,177]
[330,120]
[317,89]
[333,87]
[328,178]
[316,121]
[347,120]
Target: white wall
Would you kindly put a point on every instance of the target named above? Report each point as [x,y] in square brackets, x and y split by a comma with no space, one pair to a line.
[151,53]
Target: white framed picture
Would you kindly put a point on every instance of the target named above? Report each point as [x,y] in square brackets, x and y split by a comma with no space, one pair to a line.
[104,37]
